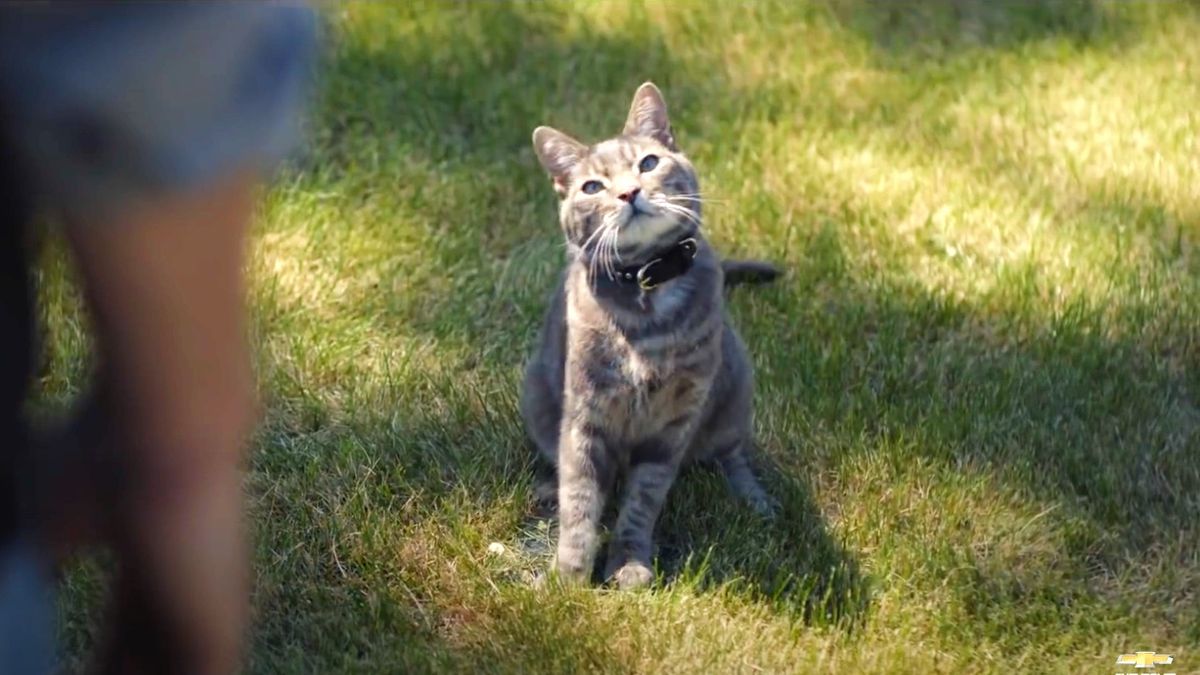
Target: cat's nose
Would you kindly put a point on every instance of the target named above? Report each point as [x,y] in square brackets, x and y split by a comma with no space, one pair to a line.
[629,195]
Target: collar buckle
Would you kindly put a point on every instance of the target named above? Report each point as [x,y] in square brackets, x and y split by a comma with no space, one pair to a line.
[643,275]
[680,259]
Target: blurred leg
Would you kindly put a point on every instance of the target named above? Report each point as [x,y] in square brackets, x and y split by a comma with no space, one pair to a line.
[16,337]
[26,600]
[107,105]
[164,283]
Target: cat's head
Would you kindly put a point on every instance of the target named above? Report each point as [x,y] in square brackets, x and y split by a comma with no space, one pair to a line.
[628,196]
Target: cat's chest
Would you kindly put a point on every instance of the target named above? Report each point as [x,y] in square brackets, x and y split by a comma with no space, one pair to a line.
[637,393]
[650,364]
[641,371]
[651,386]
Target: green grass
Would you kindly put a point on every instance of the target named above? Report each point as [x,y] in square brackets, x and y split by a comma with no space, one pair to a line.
[978,384]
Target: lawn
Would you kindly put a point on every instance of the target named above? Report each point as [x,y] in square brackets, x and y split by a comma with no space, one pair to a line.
[978,383]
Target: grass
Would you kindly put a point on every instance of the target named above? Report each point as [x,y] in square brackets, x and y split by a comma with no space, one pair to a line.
[978,384]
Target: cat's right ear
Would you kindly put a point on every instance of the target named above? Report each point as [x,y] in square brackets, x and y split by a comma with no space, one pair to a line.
[558,153]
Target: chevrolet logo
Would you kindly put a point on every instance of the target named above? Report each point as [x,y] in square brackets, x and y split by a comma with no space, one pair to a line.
[1145,659]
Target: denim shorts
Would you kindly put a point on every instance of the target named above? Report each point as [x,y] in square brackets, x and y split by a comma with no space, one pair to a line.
[106,103]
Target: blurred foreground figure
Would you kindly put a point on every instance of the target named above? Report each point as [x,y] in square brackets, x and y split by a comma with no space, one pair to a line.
[143,130]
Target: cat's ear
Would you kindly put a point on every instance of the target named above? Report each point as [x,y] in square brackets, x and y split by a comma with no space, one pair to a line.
[648,116]
[558,153]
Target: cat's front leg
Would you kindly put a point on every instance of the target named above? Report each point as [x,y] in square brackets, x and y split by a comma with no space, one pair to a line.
[652,470]
[585,473]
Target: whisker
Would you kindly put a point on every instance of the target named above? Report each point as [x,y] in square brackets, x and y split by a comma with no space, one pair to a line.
[616,252]
[609,250]
[594,261]
[600,256]
[694,198]
[678,210]
[594,234]
[597,238]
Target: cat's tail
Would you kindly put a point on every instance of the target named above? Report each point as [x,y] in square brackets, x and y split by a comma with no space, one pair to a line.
[749,272]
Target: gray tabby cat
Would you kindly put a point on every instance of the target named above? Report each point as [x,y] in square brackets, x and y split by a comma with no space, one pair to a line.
[638,370]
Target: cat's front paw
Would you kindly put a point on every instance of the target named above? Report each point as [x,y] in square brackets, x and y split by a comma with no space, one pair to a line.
[633,575]
[765,506]
[571,572]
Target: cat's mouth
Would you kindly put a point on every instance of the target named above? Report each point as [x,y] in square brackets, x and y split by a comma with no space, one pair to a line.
[652,216]
[641,206]
[645,219]
[641,213]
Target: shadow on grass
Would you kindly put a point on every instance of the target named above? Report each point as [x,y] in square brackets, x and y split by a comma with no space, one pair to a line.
[1091,410]
[907,32]
[791,563]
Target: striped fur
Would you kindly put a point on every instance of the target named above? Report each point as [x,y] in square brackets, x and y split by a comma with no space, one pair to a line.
[631,382]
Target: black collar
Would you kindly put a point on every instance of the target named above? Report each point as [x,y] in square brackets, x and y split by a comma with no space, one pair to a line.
[664,266]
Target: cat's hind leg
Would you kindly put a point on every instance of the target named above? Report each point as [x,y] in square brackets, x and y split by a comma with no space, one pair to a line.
[732,458]
[541,409]
[726,444]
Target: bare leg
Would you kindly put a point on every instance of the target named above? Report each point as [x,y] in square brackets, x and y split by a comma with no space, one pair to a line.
[164,283]
[16,338]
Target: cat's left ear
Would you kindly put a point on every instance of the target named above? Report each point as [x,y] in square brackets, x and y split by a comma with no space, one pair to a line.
[648,116]
[558,153]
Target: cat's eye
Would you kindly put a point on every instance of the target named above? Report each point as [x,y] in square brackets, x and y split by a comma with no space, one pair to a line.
[592,187]
[648,163]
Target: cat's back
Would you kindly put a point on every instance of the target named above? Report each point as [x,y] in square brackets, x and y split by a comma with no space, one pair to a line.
[552,338]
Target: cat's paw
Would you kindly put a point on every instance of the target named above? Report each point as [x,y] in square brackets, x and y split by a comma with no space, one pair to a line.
[571,573]
[766,506]
[545,500]
[633,575]
[545,493]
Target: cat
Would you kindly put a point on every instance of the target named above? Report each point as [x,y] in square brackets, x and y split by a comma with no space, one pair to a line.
[638,370]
